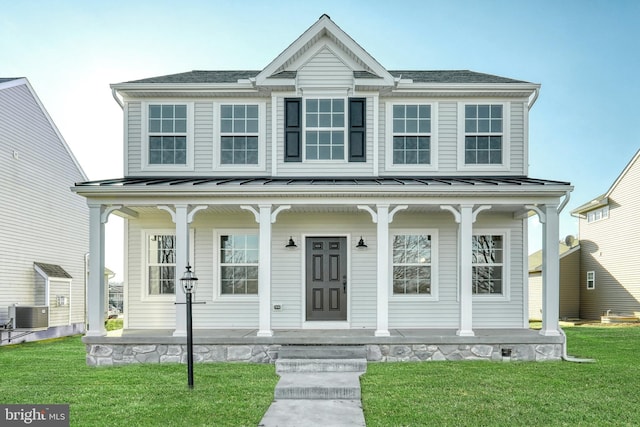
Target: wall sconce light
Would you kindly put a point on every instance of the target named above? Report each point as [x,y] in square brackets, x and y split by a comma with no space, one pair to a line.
[361,244]
[291,243]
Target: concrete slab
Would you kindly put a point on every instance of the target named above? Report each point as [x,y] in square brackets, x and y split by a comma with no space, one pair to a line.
[314,413]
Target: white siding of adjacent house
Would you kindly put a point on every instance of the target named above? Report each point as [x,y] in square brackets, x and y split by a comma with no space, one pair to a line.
[58,314]
[40,218]
[610,248]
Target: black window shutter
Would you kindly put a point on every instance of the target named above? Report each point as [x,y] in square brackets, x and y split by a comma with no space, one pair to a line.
[357,127]
[292,130]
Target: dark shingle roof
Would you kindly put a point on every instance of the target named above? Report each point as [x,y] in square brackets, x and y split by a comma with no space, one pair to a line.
[451,76]
[231,76]
[53,270]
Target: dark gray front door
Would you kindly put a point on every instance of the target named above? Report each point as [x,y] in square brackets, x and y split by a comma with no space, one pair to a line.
[326,278]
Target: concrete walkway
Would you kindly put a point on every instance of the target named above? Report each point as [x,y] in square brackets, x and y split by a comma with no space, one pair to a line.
[319,386]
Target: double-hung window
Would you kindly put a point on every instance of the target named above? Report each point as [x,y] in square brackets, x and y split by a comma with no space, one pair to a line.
[488,264]
[161,263]
[324,129]
[167,133]
[483,134]
[414,263]
[238,264]
[411,134]
[591,280]
[239,132]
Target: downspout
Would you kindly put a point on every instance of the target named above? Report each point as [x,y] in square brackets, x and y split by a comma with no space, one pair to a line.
[114,93]
[565,356]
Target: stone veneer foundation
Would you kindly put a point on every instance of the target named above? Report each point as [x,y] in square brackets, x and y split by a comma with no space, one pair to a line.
[106,354]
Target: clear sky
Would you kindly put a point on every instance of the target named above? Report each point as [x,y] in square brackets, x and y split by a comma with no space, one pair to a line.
[585,53]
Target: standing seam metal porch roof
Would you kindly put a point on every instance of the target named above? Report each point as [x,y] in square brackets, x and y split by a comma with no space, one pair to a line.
[311,181]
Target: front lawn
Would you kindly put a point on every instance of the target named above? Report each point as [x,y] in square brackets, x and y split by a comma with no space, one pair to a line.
[393,394]
[524,394]
[135,395]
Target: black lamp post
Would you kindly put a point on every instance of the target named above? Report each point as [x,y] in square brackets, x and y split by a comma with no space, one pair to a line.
[188,282]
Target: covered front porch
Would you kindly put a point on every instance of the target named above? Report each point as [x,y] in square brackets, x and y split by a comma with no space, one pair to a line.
[244,345]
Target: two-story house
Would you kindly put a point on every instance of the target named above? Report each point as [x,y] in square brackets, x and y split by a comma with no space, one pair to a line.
[43,226]
[327,192]
[609,234]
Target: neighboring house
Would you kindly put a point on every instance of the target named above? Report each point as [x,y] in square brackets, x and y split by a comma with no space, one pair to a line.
[43,225]
[609,236]
[569,283]
[327,192]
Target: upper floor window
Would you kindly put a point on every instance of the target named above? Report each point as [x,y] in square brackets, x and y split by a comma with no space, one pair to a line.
[591,280]
[324,129]
[488,263]
[239,134]
[411,134]
[483,134]
[598,214]
[329,129]
[167,132]
[161,264]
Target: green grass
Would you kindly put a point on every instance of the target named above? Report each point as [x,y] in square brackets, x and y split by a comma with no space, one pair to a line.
[50,372]
[605,393]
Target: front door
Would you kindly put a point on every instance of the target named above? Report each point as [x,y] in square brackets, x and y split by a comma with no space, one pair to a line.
[326,281]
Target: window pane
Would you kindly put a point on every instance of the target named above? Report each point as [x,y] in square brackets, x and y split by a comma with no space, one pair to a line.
[167,111]
[154,125]
[483,111]
[181,125]
[226,111]
[154,111]
[180,111]
[471,111]
[496,111]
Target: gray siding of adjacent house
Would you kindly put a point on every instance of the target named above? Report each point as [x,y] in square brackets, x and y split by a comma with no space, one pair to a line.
[610,249]
[40,218]
[569,288]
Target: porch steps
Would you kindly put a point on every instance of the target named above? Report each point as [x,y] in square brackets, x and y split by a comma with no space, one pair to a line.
[319,386]
[320,372]
[322,352]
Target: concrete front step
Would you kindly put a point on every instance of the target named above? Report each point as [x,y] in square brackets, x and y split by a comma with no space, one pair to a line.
[321,365]
[318,385]
[322,352]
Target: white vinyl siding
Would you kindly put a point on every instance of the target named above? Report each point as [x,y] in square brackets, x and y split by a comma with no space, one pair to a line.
[610,249]
[41,220]
[325,69]
[59,314]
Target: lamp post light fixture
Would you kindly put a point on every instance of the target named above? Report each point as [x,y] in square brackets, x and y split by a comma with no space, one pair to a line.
[189,281]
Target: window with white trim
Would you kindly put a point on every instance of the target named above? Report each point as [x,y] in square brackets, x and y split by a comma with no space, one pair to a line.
[413,262]
[238,263]
[411,134]
[324,129]
[161,264]
[239,132]
[483,134]
[167,133]
[591,280]
[488,264]
[598,214]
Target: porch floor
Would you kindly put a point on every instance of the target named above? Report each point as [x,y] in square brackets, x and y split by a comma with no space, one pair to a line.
[327,337]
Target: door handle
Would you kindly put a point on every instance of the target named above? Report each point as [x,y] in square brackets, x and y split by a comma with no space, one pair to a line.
[344,284]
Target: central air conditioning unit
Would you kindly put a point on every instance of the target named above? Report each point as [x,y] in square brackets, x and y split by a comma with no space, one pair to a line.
[29,317]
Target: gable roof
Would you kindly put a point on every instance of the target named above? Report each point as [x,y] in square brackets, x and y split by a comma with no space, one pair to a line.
[324,33]
[535,259]
[603,199]
[9,82]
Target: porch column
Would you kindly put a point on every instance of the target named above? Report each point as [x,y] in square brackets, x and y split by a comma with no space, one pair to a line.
[550,272]
[96,287]
[264,272]
[265,218]
[465,216]
[181,218]
[383,218]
